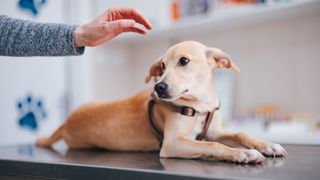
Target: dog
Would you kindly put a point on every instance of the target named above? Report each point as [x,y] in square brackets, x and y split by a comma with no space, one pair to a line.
[179,116]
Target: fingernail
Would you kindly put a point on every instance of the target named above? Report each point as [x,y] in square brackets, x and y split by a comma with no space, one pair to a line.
[150,26]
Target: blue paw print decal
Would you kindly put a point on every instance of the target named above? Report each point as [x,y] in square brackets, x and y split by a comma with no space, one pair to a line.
[31,5]
[31,111]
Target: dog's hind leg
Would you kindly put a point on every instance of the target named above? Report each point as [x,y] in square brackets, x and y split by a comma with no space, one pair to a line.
[48,141]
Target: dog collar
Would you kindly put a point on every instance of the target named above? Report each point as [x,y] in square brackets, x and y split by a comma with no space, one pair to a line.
[183,110]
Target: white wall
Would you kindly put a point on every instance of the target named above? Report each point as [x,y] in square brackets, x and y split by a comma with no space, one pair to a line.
[42,77]
[280,63]
[156,11]
[63,82]
[79,68]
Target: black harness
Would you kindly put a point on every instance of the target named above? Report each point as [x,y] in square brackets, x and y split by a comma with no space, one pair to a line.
[183,110]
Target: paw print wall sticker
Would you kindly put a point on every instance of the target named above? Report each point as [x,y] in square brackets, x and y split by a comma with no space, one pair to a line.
[32,6]
[31,112]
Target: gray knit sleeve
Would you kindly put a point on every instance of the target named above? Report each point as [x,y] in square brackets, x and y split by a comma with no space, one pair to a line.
[27,38]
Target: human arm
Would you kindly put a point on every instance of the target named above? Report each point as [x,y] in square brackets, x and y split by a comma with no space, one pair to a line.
[27,38]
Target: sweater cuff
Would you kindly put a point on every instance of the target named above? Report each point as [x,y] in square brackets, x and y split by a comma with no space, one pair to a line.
[76,51]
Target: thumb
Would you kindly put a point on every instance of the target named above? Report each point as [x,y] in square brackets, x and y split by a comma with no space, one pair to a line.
[120,24]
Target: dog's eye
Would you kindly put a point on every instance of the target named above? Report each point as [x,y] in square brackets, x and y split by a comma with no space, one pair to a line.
[183,61]
[163,66]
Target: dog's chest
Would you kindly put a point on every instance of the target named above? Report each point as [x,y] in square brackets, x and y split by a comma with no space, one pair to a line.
[198,124]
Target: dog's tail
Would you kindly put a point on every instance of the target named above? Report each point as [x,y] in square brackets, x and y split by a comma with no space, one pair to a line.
[48,141]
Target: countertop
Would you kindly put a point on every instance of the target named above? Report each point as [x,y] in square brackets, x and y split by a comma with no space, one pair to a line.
[28,161]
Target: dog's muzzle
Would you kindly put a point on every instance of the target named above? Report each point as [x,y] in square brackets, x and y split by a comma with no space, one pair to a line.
[162,90]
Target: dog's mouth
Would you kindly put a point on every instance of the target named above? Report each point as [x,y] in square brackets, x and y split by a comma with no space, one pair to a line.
[168,97]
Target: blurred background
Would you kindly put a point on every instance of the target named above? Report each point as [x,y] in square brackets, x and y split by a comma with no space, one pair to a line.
[276,43]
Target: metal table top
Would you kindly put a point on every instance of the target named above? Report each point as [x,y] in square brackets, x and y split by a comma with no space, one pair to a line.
[302,162]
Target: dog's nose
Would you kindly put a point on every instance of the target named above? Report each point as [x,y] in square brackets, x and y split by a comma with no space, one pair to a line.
[161,87]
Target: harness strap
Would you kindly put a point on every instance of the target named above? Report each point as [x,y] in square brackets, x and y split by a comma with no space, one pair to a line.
[154,128]
[205,128]
[184,110]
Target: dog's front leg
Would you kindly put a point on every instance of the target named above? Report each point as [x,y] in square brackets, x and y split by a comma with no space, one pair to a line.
[182,147]
[217,134]
[265,147]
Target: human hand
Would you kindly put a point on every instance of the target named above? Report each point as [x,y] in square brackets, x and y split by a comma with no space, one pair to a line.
[109,25]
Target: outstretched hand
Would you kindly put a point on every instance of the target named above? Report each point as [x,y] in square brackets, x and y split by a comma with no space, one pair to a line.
[109,25]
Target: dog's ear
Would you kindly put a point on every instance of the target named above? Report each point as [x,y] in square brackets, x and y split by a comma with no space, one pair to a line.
[221,59]
[155,70]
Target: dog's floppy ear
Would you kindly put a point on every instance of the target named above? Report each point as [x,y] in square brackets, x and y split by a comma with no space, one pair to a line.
[155,70]
[221,59]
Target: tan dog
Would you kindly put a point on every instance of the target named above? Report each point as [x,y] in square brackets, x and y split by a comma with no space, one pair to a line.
[184,78]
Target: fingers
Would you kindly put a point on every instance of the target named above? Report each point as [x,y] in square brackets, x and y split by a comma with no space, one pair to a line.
[129,13]
[109,30]
[134,29]
[123,25]
[138,17]
[119,24]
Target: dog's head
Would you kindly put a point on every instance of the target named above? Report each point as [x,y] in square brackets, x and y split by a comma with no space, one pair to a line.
[185,70]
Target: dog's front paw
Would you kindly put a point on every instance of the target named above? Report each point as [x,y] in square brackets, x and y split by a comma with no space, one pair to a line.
[274,150]
[249,156]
